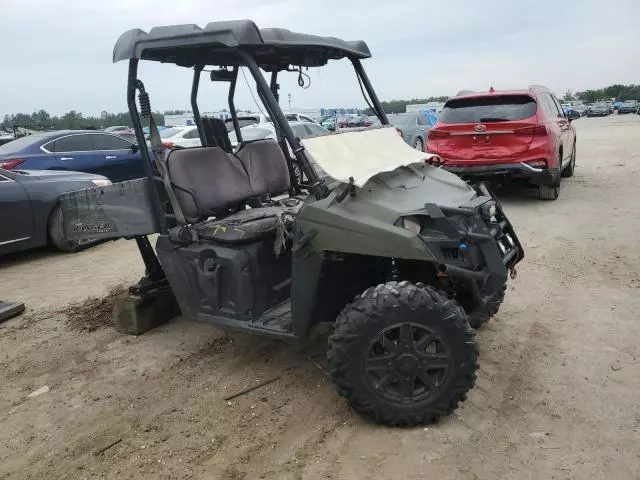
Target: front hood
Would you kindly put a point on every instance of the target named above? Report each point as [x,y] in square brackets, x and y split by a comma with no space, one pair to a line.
[56,175]
[409,187]
[361,155]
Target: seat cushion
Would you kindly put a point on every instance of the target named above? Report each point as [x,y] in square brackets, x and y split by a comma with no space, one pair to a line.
[266,166]
[207,179]
[247,226]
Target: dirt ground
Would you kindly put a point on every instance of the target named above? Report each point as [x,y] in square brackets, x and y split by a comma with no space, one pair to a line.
[557,397]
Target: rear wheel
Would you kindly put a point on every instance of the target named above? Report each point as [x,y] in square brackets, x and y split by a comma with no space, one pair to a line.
[419,144]
[551,192]
[403,354]
[568,172]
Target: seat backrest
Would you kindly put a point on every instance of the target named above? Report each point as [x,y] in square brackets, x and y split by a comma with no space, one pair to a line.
[206,180]
[215,132]
[266,166]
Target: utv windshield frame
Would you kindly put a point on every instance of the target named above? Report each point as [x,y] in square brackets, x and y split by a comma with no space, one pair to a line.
[230,46]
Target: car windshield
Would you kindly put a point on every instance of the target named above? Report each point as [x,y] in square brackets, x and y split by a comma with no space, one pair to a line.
[244,122]
[494,108]
[170,132]
[250,133]
[19,144]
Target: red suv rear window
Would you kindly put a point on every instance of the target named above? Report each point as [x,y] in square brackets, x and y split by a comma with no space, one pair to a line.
[494,108]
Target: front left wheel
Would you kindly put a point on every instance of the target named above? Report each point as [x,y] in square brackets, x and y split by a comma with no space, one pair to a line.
[403,354]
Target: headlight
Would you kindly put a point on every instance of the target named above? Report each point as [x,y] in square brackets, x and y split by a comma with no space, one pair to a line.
[101,182]
[488,210]
[411,223]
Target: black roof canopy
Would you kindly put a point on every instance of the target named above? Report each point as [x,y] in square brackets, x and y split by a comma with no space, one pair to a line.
[273,48]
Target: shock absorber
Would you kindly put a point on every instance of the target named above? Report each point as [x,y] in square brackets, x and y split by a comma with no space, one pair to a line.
[395,273]
[143,98]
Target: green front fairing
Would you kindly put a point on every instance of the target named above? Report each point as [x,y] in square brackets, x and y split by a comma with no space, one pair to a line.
[364,224]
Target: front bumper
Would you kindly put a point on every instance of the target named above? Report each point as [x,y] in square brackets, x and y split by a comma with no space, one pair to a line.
[537,176]
[480,249]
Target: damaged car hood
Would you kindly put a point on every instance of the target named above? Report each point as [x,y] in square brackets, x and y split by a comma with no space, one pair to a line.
[361,154]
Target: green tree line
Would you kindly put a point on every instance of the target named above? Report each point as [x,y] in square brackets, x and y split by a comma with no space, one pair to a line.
[42,120]
[400,106]
[619,92]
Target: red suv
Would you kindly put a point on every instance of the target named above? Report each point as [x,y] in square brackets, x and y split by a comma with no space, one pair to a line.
[520,135]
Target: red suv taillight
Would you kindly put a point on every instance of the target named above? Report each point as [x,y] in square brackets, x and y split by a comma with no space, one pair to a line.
[532,131]
[399,132]
[168,144]
[435,134]
[9,164]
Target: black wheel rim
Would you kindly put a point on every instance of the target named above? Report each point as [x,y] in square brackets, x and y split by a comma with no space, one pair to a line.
[407,363]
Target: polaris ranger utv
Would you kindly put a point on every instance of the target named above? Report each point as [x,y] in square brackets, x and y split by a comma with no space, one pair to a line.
[278,236]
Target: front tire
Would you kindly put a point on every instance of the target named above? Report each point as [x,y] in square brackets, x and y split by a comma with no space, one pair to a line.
[56,232]
[403,354]
[481,316]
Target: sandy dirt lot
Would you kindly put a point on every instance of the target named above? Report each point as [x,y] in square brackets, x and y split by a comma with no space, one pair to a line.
[557,397]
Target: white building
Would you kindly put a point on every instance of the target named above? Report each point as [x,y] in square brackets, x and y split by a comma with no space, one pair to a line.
[187,118]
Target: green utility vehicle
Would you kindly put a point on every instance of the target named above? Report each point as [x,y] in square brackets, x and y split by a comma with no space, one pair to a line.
[279,236]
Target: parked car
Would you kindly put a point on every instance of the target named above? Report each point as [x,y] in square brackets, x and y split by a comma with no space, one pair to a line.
[6,138]
[514,135]
[581,109]
[118,128]
[260,119]
[599,110]
[412,127]
[258,132]
[185,137]
[628,107]
[29,207]
[570,111]
[88,151]
[610,105]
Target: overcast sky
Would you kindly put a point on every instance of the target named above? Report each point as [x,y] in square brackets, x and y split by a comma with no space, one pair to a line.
[56,54]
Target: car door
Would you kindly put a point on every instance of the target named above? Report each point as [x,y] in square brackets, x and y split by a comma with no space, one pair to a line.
[189,139]
[16,215]
[121,158]
[75,152]
[554,124]
[566,129]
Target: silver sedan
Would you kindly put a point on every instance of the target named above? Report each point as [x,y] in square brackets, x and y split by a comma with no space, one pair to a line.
[413,128]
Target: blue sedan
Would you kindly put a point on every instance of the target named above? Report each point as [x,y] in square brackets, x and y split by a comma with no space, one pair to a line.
[88,151]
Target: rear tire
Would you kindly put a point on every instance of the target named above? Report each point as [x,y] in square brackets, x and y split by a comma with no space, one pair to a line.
[568,172]
[551,192]
[548,192]
[419,145]
[403,354]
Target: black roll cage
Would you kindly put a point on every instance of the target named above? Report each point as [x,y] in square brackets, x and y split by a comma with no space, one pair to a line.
[268,95]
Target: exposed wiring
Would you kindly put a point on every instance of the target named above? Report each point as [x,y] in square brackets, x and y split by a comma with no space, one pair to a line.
[301,82]
[301,77]
[256,102]
[366,98]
